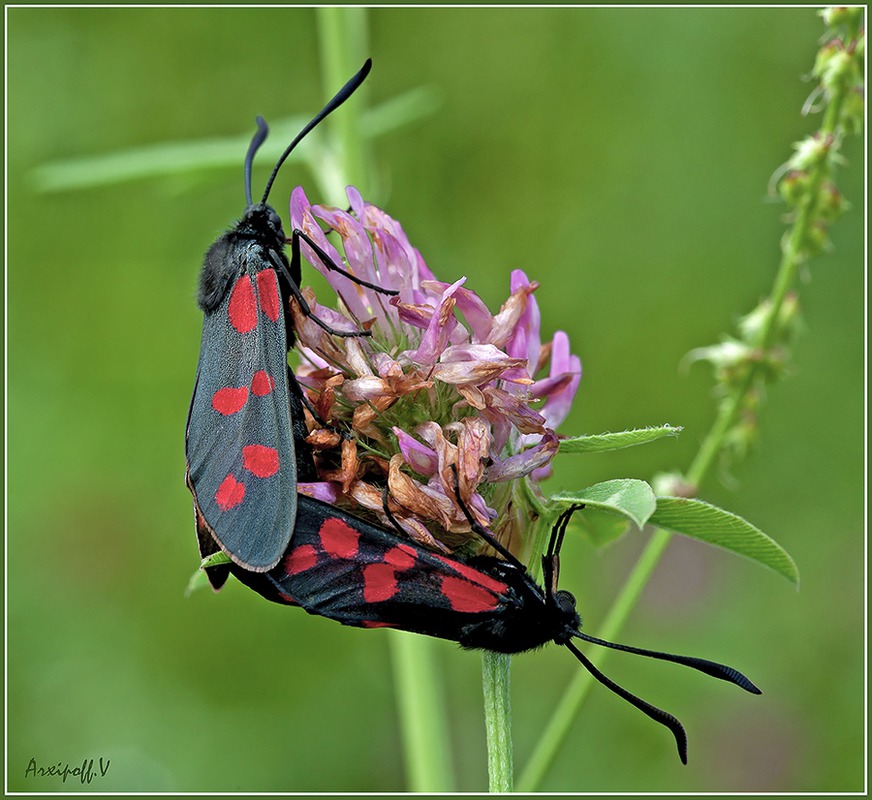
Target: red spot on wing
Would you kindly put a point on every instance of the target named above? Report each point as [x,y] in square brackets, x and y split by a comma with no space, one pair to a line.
[301,559]
[242,309]
[268,290]
[230,493]
[262,383]
[339,539]
[371,623]
[474,575]
[468,597]
[401,556]
[260,460]
[230,399]
[379,582]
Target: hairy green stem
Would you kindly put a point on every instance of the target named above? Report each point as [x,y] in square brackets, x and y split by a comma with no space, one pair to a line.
[495,668]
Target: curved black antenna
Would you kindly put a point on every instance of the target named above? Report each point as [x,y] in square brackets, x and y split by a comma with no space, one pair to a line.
[256,141]
[657,714]
[712,668]
[339,98]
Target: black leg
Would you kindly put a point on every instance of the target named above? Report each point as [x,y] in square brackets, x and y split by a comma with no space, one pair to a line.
[298,295]
[331,265]
[551,559]
[391,518]
[483,532]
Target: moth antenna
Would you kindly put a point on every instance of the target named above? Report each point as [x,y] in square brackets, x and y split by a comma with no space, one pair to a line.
[338,99]
[712,668]
[256,141]
[657,714]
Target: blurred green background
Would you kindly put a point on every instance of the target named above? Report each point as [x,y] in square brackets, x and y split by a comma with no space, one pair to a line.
[620,157]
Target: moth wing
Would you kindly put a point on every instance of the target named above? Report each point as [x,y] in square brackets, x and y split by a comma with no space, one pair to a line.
[239,445]
[349,570]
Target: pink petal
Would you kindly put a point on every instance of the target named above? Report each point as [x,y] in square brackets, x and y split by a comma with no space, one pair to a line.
[418,456]
[525,462]
[328,492]
[558,401]
[529,342]
[515,409]
[439,329]
[473,308]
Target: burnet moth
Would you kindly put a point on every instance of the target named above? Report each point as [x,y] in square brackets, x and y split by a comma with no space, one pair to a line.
[246,411]
[358,573]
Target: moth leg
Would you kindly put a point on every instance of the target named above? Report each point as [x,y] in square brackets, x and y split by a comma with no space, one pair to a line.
[391,518]
[298,295]
[483,532]
[328,262]
[551,558]
[302,452]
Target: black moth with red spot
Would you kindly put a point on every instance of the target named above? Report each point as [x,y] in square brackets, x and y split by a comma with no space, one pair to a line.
[357,573]
[246,410]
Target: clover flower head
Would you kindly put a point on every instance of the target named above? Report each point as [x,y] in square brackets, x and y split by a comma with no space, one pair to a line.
[443,398]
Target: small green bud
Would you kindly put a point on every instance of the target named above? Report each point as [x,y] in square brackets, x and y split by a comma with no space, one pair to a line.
[742,436]
[824,58]
[672,484]
[751,326]
[729,354]
[809,152]
[835,16]
[794,187]
[841,71]
[854,111]
[816,239]
[788,317]
[831,204]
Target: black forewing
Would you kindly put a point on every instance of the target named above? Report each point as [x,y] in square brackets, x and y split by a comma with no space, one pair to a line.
[374,578]
[252,524]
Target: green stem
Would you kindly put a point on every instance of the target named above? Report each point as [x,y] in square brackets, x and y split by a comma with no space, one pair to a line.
[343,49]
[495,669]
[421,705]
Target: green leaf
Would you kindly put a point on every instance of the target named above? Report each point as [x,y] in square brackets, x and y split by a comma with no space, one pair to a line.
[600,527]
[215,559]
[199,579]
[602,442]
[708,523]
[628,497]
